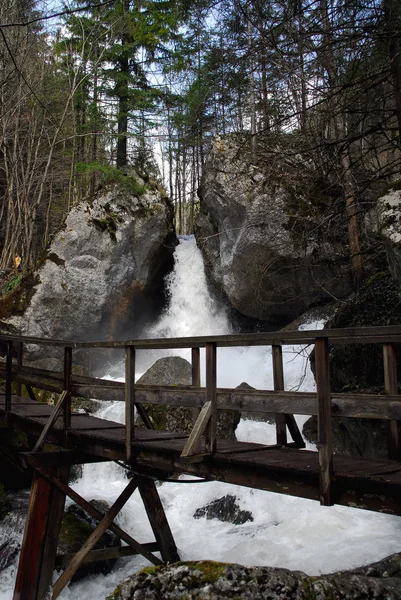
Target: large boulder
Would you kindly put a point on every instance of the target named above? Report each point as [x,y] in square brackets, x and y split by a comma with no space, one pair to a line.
[218,581]
[271,239]
[174,370]
[358,368]
[105,269]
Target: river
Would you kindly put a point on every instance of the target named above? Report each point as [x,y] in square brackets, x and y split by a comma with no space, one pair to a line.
[285,532]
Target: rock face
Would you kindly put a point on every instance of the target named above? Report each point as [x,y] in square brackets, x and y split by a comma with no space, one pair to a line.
[105,268]
[262,238]
[206,580]
[175,370]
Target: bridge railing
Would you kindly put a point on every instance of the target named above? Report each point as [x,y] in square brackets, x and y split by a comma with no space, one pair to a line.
[208,400]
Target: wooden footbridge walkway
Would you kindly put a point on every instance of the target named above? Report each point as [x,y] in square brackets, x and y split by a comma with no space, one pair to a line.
[285,467]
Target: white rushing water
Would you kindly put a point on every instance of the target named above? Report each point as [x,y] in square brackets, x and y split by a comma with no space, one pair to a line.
[286,531]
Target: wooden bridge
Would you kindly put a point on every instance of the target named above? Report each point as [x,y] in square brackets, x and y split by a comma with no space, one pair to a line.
[284,467]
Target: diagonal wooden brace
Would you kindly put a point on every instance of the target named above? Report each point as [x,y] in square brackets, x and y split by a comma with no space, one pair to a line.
[94,538]
[51,420]
[92,511]
[198,429]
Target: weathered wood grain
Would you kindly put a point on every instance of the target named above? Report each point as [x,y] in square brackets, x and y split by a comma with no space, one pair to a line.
[324,421]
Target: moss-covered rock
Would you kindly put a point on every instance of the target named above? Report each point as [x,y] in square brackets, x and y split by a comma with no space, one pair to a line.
[209,580]
[76,527]
[174,370]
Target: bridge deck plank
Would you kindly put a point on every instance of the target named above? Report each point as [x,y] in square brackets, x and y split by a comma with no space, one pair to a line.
[290,470]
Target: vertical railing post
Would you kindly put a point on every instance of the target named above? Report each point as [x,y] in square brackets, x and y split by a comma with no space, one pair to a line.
[19,365]
[129,400]
[278,379]
[391,387]
[324,424]
[9,376]
[67,388]
[195,361]
[211,396]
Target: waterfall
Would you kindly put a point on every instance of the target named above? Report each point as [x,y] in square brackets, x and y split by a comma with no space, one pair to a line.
[286,531]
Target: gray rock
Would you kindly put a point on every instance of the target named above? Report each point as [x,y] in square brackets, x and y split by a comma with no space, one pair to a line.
[9,551]
[254,416]
[262,237]
[174,370]
[224,509]
[104,269]
[386,220]
[207,580]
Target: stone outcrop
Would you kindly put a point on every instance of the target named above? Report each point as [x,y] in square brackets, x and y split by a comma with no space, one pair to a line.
[105,269]
[207,580]
[174,370]
[266,236]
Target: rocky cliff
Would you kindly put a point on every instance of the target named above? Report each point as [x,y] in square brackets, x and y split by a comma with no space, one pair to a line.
[271,237]
[105,269]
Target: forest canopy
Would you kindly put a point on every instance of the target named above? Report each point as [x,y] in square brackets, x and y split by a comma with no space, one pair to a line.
[108,86]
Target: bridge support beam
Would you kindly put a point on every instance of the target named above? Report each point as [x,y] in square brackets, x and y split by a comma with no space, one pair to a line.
[42,529]
[158,520]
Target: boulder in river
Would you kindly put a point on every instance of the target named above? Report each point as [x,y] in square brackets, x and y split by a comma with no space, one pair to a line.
[224,509]
[76,527]
[174,370]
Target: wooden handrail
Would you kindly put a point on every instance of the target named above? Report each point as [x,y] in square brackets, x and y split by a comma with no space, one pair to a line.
[354,335]
[208,400]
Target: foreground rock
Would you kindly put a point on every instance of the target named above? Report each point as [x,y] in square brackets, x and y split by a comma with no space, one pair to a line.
[103,269]
[174,370]
[265,232]
[206,580]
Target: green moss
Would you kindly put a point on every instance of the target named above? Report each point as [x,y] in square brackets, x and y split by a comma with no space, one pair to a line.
[74,532]
[211,570]
[322,593]
[18,297]
[158,415]
[109,174]
[150,570]
[393,186]
[109,222]
[114,595]
[4,502]
[10,285]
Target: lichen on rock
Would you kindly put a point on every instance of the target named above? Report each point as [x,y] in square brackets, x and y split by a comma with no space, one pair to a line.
[208,580]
